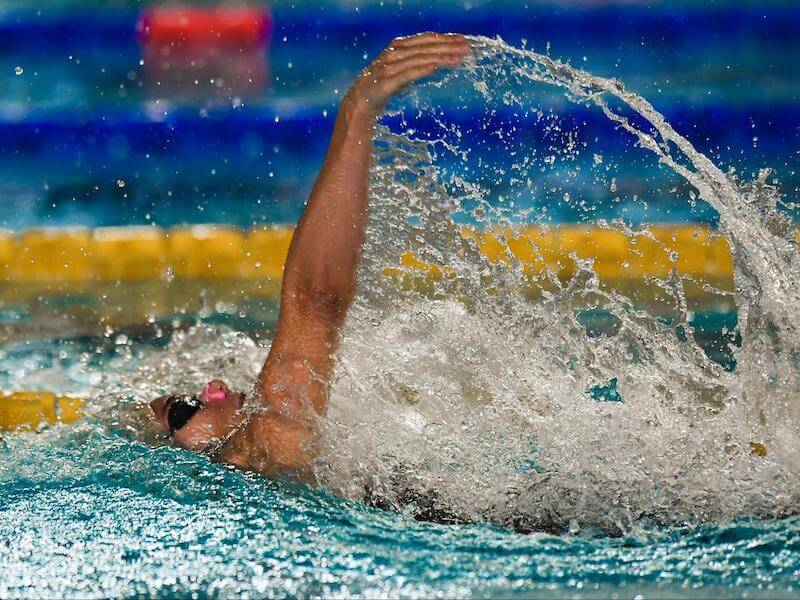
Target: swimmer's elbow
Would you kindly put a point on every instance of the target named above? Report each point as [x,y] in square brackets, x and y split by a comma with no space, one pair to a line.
[329,305]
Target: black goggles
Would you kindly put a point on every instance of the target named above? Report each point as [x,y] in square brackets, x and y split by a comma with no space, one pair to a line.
[180,409]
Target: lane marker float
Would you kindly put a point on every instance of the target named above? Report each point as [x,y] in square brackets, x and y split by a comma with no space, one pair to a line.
[211,252]
[31,410]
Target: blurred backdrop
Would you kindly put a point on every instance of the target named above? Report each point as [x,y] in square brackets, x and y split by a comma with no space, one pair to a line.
[123,112]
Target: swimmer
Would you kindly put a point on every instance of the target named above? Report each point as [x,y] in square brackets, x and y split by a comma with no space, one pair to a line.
[278,437]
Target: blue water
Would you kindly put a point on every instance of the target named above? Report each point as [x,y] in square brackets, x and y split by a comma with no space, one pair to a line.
[89,513]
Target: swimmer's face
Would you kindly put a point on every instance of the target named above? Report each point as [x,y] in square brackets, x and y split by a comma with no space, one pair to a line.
[196,421]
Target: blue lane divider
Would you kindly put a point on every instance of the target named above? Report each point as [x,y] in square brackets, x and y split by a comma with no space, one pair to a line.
[183,131]
[772,22]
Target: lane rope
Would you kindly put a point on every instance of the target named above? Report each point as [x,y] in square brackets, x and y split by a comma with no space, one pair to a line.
[134,253]
[25,410]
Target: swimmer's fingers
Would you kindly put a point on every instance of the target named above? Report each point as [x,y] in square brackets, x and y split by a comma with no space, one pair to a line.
[395,69]
[400,66]
[395,55]
[403,78]
[426,38]
[388,78]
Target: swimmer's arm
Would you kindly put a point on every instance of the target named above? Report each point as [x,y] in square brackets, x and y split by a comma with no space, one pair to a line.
[320,273]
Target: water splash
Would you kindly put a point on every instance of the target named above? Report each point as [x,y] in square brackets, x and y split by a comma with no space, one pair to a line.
[474,398]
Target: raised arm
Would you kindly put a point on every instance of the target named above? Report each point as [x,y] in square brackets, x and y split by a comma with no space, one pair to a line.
[320,273]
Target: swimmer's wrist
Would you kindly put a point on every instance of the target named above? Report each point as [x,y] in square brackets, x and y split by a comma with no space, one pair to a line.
[358,110]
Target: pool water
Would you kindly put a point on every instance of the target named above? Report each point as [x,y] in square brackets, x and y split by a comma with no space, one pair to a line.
[170,524]
[94,510]
[103,516]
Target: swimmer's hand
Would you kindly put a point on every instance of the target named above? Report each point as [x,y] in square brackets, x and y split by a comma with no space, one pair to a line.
[403,61]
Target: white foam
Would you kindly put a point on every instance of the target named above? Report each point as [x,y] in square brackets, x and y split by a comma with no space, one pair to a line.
[468,390]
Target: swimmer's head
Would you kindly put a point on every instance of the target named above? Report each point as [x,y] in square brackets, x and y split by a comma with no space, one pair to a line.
[196,421]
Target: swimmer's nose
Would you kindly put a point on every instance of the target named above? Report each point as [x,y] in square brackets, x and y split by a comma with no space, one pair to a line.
[215,390]
[159,408]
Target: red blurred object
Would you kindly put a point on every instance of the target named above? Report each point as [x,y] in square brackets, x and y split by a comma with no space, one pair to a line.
[197,51]
[231,26]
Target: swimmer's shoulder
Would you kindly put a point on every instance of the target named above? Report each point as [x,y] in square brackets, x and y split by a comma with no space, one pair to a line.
[278,440]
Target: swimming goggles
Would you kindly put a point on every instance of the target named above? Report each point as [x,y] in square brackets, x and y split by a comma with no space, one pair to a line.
[180,409]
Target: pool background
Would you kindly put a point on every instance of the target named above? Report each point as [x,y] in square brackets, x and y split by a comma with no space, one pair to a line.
[79,120]
[103,514]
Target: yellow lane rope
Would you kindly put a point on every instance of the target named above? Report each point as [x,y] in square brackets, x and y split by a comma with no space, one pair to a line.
[31,410]
[142,253]
[61,255]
